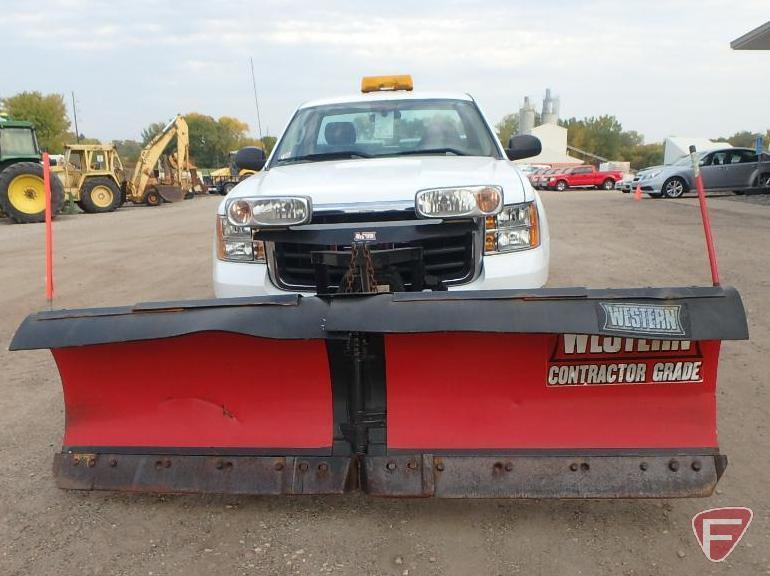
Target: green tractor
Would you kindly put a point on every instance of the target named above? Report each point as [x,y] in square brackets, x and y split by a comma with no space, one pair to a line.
[22,193]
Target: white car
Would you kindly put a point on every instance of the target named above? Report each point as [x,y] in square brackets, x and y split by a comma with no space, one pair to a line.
[390,169]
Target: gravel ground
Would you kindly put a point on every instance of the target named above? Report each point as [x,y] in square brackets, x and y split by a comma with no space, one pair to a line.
[763,199]
[136,254]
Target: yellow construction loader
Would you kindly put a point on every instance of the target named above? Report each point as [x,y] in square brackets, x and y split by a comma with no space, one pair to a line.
[94,177]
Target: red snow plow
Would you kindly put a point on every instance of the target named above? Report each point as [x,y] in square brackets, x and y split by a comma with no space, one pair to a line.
[568,393]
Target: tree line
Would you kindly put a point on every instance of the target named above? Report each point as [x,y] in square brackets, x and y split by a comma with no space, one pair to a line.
[604,136]
[211,139]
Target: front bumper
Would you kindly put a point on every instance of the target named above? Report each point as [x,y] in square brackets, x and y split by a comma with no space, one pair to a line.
[653,185]
[525,269]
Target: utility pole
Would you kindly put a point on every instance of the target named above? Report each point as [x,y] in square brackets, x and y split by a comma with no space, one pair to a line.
[256,100]
[75,116]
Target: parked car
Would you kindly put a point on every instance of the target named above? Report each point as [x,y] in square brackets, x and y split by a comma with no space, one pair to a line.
[534,177]
[583,177]
[728,169]
[625,184]
[542,178]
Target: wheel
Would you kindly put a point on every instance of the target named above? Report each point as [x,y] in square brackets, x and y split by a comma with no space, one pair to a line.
[561,185]
[227,187]
[764,182]
[22,192]
[608,184]
[152,197]
[99,195]
[674,187]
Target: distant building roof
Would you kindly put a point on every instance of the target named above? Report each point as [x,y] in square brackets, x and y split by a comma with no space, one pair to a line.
[757,39]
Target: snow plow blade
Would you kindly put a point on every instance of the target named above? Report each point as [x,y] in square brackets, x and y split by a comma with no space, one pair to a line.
[565,393]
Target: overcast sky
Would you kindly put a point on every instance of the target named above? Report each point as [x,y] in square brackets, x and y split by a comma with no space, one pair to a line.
[661,67]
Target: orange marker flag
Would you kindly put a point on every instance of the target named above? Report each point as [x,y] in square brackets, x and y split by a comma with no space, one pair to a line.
[638,192]
[48,229]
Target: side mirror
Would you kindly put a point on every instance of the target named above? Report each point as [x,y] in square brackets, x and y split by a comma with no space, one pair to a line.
[250,158]
[523,146]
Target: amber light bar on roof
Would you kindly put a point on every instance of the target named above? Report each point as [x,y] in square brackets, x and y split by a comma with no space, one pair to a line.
[382,83]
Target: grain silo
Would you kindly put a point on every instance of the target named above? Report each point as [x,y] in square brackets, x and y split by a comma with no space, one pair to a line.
[526,117]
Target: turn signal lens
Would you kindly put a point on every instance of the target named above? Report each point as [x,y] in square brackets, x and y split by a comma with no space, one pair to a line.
[488,199]
[239,212]
[490,242]
[534,227]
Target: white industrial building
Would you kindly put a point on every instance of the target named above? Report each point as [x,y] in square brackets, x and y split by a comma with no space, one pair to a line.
[552,136]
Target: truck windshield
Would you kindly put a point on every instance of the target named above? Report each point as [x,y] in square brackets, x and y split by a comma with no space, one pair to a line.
[17,142]
[385,128]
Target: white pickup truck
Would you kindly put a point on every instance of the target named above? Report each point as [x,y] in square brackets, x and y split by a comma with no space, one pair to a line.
[420,178]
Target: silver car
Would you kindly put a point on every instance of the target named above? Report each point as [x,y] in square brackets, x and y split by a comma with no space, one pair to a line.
[730,169]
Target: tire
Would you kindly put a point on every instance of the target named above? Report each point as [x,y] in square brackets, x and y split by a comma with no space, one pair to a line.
[608,184]
[22,192]
[100,195]
[226,187]
[674,187]
[152,197]
[561,186]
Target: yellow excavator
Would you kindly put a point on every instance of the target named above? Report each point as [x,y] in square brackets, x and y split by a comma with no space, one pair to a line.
[144,186]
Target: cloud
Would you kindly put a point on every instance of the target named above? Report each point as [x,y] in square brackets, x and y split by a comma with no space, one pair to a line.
[660,68]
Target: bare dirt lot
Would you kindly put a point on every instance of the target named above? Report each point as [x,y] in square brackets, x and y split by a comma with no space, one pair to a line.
[599,239]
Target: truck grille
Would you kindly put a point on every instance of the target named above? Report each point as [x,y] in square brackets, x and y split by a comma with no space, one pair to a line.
[449,258]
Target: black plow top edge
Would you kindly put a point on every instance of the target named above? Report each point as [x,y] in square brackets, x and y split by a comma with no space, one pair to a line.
[696,313]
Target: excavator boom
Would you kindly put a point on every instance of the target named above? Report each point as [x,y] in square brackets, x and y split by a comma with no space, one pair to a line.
[138,190]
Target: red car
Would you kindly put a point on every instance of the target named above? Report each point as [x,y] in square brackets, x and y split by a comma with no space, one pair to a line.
[582,177]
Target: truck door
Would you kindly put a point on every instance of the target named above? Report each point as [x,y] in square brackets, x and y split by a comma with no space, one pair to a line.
[582,176]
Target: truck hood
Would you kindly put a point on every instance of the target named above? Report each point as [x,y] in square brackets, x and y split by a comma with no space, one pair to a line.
[379,180]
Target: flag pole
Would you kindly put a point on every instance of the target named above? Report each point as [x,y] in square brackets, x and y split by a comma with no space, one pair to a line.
[704,212]
[48,230]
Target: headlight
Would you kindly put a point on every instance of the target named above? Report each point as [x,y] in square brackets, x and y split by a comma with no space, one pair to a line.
[516,227]
[235,243]
[459,202]
[265,212]
[651,175]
